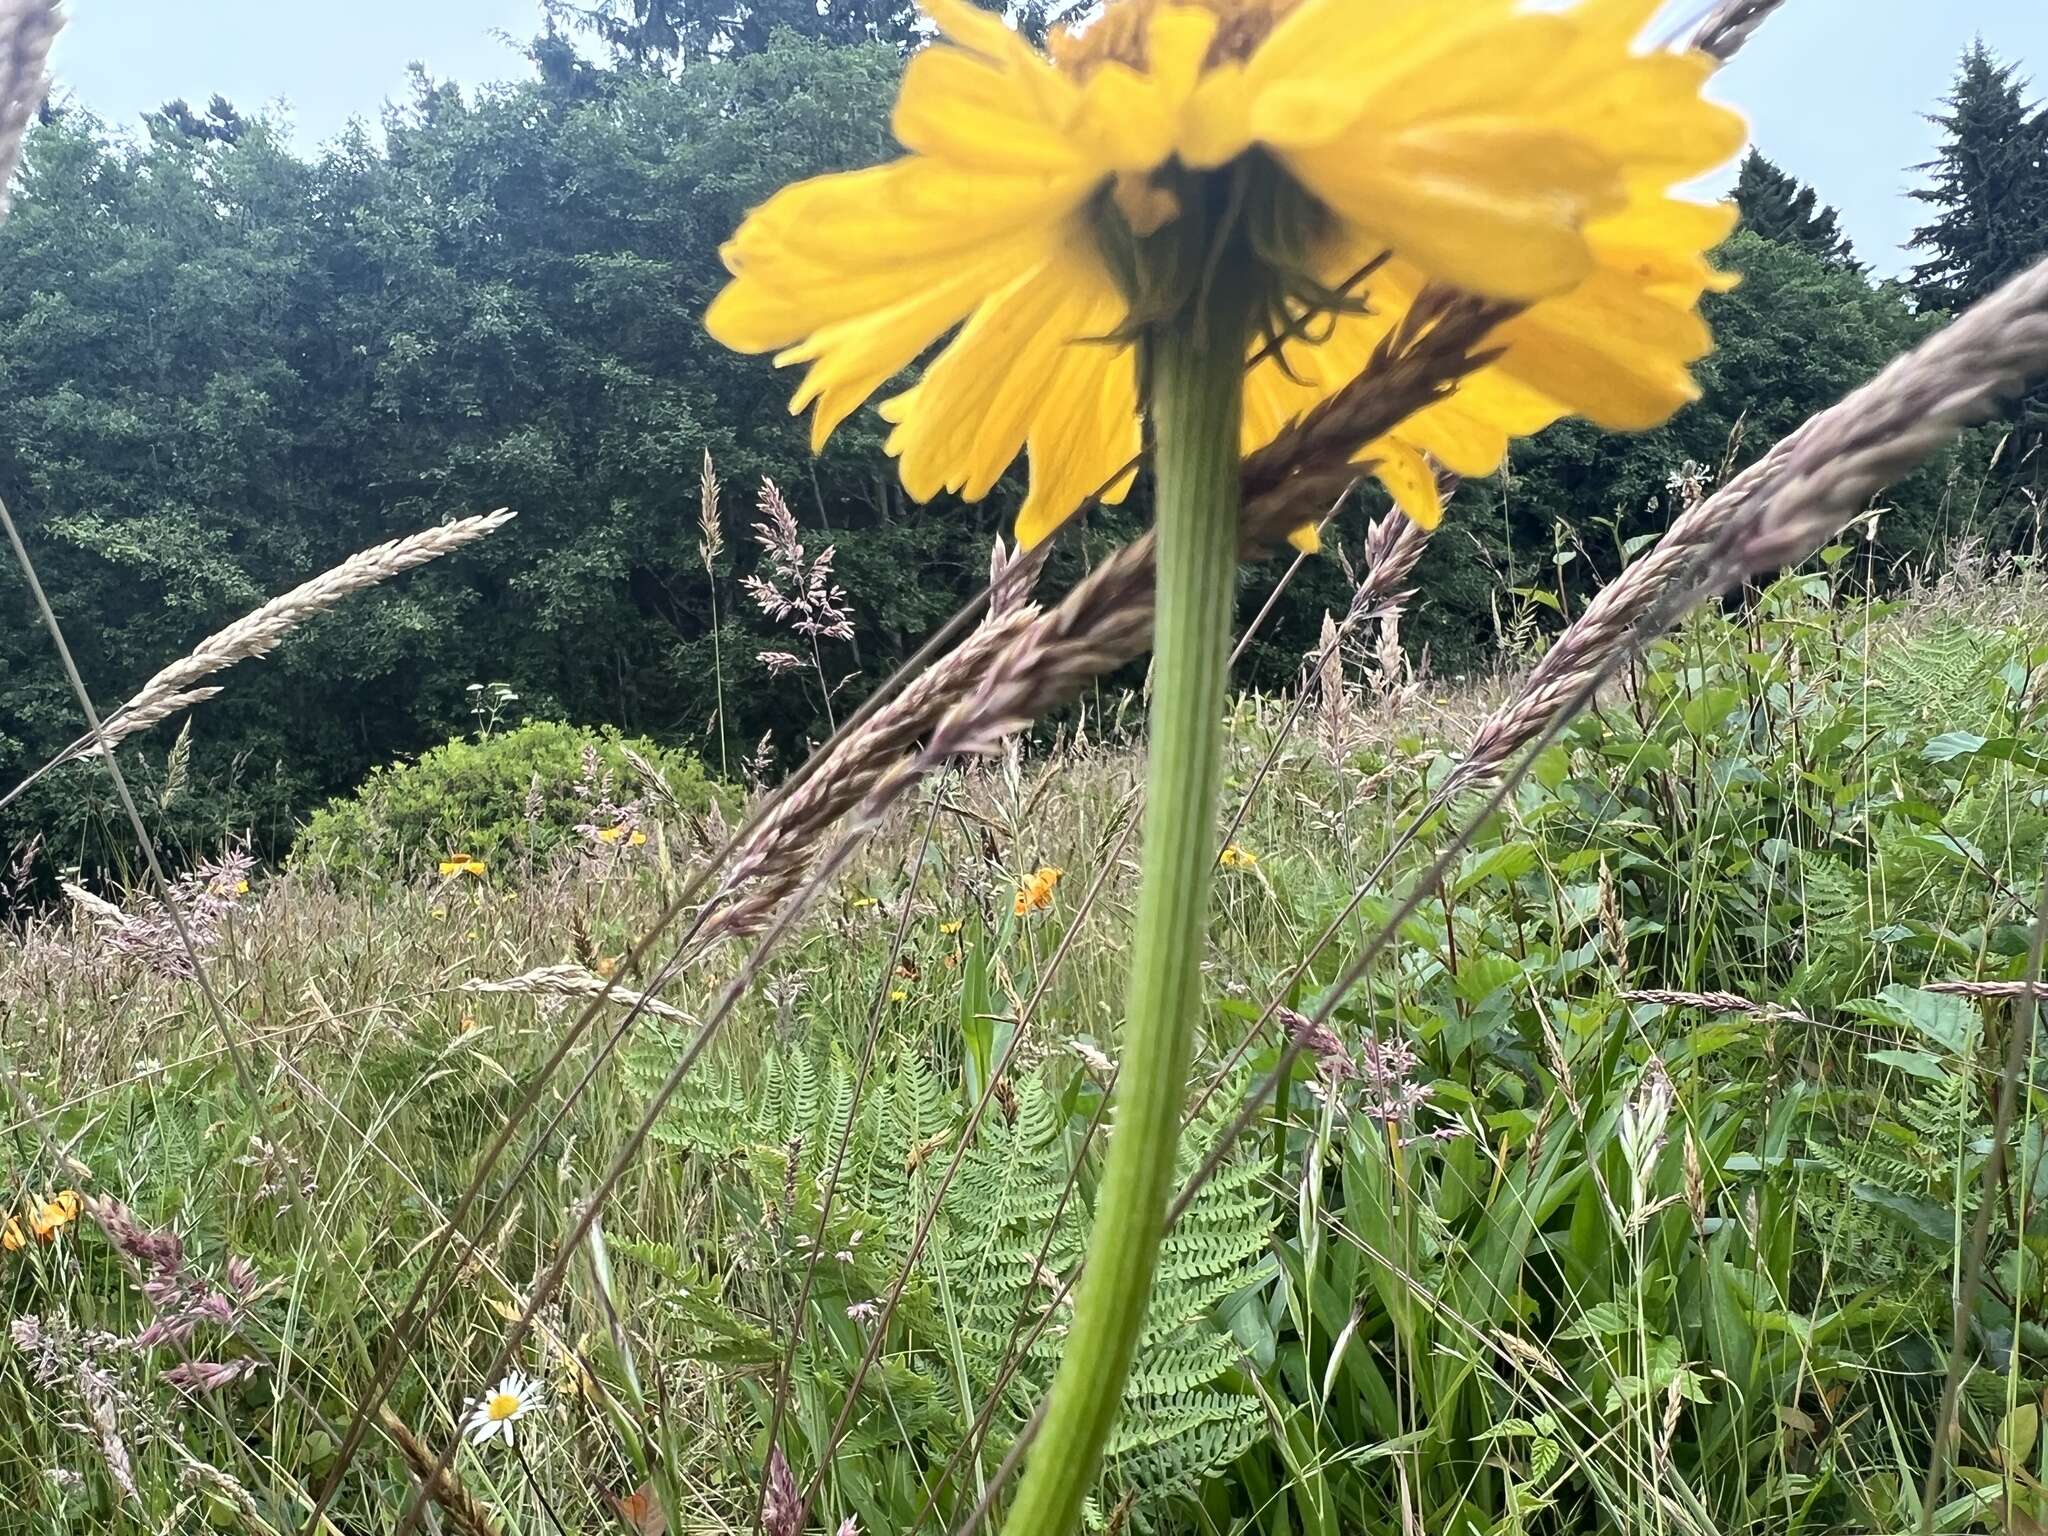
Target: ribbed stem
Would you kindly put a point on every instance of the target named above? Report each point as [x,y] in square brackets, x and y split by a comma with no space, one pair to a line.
[1197,373]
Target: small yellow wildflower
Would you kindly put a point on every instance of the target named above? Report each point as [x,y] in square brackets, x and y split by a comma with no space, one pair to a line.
[439,912]
[241,887]
[464,864]
[1237,856]
[949,929]
[44,1222]
[899,995]
[861,901]
[610,834]
[1037,891]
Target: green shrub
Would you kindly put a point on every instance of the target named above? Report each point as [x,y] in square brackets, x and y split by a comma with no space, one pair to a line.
[510,799]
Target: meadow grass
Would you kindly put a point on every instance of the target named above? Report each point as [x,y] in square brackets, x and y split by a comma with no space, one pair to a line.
[1633,1188]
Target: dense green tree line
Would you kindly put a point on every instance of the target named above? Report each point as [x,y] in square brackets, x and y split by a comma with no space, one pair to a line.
[224,367]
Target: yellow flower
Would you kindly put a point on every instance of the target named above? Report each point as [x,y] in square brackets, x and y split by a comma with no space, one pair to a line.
[859,902]
[636,840]
[610,834]
[1368,149]
[897,995]
[949,929]
[48,1218]
[439,911]
[1237,856]
[464,864]
[1036,892]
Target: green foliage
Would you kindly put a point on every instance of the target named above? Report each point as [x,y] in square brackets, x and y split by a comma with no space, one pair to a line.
[511,798]
[228,367]
[981,1323]
[1687,1263]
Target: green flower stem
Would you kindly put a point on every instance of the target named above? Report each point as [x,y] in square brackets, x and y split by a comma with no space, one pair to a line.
[1197,374]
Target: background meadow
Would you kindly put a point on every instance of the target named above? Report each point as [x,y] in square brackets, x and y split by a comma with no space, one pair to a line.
[1673,1167]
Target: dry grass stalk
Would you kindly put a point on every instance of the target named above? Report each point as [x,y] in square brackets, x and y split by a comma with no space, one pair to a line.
[710,534]
[1711,1002]
[1791,501]
[1989,991]
[27,28]
[96,908]
[259,632]
[1440,340]
[1730,26]
[575,981]
[466,1516]
[1025,660]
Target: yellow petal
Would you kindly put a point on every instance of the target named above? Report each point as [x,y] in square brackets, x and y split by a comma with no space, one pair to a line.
[1408,478]
[854,357]
[1662,241]
[1648,113]
[969,416]
[972,27]
[1493,79]
[1087,435]
[1123,121]
[1609,352]
[969,111]
[1307,538]
[1493,207]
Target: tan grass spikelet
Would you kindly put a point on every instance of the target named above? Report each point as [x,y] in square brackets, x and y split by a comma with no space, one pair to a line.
[259,632]
[466,1516]
[27,28]
[1791,501]
[575,981]
[1730,25]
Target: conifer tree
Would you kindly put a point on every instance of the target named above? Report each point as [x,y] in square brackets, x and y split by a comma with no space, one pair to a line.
[1779,206]
[1988,185]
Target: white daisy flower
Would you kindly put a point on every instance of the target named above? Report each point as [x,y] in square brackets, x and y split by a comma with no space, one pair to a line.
[492,1416]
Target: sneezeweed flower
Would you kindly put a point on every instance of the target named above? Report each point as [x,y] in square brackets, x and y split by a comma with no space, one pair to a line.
[1053,207]
[1036,892]
[1237,856]
[492,1416]
[464,864]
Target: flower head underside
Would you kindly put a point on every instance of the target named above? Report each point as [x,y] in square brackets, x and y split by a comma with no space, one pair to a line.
[1052,206]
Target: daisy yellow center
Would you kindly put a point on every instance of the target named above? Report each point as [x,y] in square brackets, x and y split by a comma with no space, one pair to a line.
[502,1406]
[1120,34]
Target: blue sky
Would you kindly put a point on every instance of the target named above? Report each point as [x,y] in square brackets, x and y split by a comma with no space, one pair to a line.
[1834,88]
